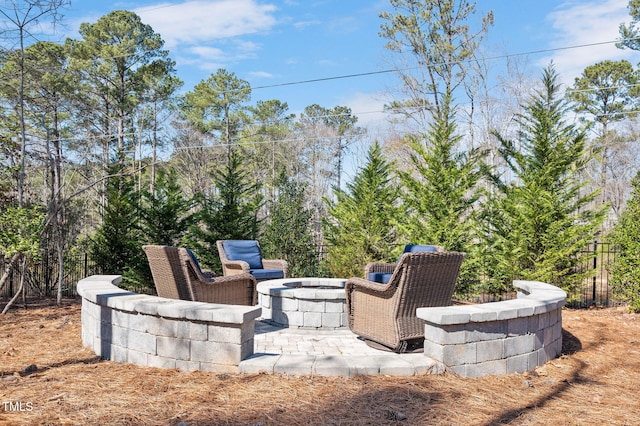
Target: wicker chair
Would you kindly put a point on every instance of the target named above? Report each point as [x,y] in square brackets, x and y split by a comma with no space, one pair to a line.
[381,272]
[385,314]
[242,256]
[177,275]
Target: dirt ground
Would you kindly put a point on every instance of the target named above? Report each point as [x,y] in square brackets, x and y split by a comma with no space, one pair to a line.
[48,377]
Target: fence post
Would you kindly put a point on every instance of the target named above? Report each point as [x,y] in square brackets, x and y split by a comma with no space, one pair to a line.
[86,272]
[595,268]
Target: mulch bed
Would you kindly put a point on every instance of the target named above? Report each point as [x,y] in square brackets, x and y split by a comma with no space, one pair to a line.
[48,377]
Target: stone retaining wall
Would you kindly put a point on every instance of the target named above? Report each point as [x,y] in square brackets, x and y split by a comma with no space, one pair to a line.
[123,326]
[506,337]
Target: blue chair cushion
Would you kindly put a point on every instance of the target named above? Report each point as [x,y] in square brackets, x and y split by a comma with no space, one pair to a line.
[414,248]
[417,248]
[379,277]
[266,274]
[246,250]
[194,258]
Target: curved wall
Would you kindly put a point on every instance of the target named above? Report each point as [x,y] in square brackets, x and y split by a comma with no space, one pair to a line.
[506,337]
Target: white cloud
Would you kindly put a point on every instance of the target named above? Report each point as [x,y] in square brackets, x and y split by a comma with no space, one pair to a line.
[369,107]
[590,24]
[260,74]
[199,21]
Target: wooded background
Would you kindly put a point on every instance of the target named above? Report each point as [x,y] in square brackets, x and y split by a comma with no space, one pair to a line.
[103,150]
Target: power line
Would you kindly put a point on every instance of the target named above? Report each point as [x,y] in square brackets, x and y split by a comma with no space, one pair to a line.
[490,58]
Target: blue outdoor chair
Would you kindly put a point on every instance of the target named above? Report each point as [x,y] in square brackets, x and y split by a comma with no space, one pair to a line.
[239,256]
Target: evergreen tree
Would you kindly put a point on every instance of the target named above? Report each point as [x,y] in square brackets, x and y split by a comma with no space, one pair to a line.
[232,213]
[116,245]
[288,234]
[165,213]
[440,193]
[540,221]
[361,226]
[625,271]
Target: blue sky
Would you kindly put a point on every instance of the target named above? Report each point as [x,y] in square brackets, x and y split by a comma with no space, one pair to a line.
[277,42]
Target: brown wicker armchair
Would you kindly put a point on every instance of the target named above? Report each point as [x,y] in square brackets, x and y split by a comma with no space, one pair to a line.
[385,314]
[242,256]
[177,275]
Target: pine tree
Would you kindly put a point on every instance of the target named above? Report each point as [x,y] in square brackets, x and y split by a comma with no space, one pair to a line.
[288,233]
[625,271]
[231,213]
[540,221]
[165,213]
[116,246]
[440,193]
[361,226]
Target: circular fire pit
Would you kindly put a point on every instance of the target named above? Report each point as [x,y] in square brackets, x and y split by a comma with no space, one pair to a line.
[304,302]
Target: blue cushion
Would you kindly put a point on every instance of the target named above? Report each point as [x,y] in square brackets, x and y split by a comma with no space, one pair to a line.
[246,250]
[266,274]
[194,258]
[415,248]
[379,277]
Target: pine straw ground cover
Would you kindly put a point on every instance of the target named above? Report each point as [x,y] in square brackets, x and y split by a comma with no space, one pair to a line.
[44,366]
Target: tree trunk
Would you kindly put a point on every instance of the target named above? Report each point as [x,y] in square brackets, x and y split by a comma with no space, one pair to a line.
[7,272]
[15,297]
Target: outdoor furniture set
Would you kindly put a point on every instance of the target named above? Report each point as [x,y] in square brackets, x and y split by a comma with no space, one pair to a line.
[381,309]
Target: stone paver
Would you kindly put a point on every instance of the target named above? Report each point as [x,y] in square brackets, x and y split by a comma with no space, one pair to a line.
[327,353]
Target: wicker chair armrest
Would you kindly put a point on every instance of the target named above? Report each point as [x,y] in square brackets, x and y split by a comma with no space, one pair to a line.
[232,290]
[276,264]
[235,267]
[385,268]
[360,284]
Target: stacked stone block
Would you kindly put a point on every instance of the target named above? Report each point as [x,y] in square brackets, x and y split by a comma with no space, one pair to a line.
[123,326]
[506,337]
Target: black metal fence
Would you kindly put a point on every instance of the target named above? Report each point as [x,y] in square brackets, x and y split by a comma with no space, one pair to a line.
[42,280]
[595,289]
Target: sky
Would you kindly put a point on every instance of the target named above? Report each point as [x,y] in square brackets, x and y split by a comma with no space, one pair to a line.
[333,46]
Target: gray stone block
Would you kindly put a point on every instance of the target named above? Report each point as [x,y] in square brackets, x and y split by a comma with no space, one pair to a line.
[311,306]
[518,326]
[143,342]
[481,331]
[161,362]
[332,320]
[487,368]
[217,353]
[288,304]
[169,347]
[489,350]
[225,334]
[312,319]
[518,364]
[137,357]
[445,334]
[518,345]
[219,368]
[423,365]
[459,354]
[334,306]
[259,363]
[330,365]
[118,353]
[434,350]
[188,366]
[294,364]
[397,367]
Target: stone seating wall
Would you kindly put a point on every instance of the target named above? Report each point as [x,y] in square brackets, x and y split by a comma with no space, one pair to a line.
[505,337]
[123,326]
